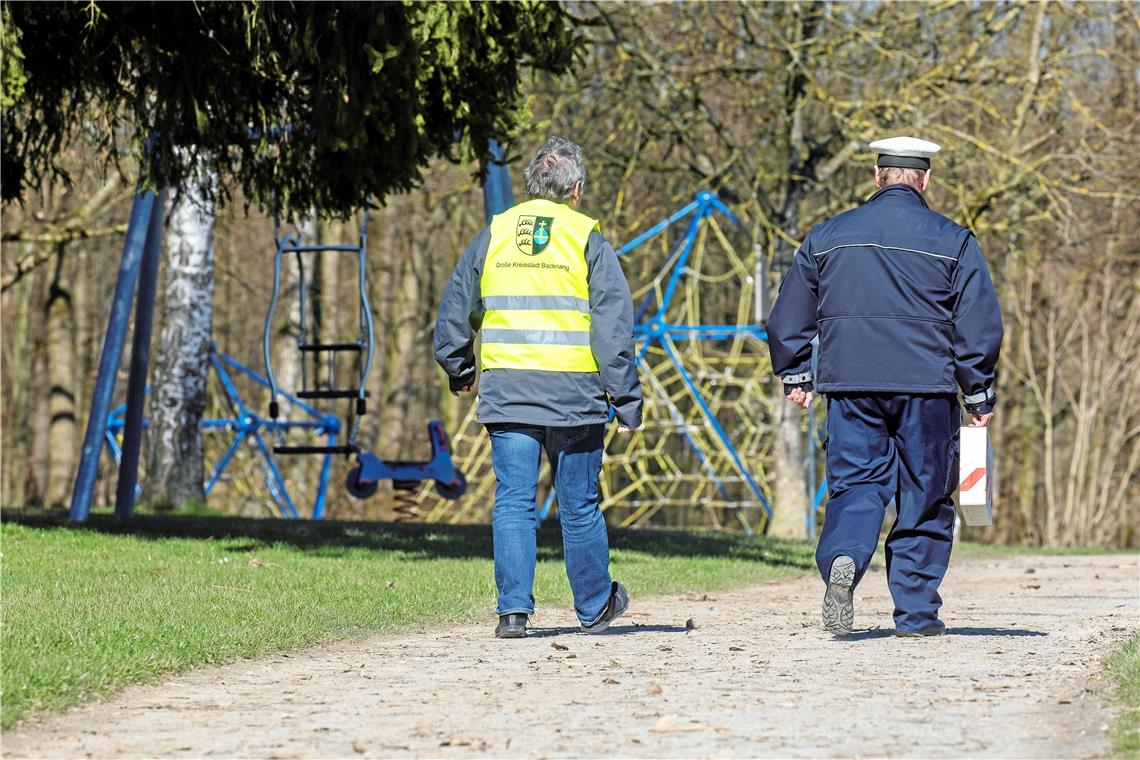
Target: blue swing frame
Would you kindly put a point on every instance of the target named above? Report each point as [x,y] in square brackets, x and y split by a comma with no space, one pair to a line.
[247,425]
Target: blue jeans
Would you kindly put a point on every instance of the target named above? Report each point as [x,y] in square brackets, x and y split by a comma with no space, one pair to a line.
[575,455]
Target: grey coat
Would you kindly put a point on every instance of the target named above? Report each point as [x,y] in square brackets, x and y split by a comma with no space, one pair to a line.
[555,399]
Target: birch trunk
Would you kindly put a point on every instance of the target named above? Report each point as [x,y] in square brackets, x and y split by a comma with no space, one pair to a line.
[178,396]
[62,390]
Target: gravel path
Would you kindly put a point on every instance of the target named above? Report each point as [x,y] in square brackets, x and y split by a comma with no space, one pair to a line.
[746,673]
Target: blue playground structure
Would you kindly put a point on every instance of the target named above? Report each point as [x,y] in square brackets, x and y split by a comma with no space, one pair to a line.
[121,429]
[250,428]
[653,330]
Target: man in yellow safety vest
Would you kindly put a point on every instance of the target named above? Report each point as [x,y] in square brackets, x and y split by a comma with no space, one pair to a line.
[557,355]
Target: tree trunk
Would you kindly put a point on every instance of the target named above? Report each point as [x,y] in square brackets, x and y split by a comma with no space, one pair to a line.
[14,403]
[178,396]
[399,388]
[791,504]
[37,462]
[62,389]
[381,296]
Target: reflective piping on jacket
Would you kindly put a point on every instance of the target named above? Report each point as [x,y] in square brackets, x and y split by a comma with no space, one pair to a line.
[539,337]
[979,397]
[803,377]
[885,247]
[536,303]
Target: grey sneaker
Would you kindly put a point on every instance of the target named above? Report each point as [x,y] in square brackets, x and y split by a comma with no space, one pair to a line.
[615,608]
[934,629]
[511,626]
[838,602]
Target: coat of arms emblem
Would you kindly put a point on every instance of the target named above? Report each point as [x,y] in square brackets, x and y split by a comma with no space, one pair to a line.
[532,234]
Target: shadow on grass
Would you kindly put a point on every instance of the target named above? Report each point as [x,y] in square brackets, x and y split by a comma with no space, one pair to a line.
[414,541]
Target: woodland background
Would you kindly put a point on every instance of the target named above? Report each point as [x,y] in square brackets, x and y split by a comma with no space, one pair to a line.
[770,105]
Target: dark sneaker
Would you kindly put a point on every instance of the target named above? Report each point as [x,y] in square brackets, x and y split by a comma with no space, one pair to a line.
[615,608]
[511,626]
[934,629]
[838,601]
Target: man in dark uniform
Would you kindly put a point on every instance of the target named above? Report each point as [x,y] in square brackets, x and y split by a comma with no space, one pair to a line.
[906,315]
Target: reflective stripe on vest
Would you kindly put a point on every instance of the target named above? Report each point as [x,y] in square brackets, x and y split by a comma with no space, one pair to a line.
[535,290]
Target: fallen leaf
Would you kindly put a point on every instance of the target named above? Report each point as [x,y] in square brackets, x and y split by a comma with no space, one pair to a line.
[689,624]
[610,680]
[559,647]
[655,689]
[736,649]
[357,748]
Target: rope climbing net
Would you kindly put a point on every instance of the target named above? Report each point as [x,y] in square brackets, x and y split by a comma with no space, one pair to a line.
[703,453]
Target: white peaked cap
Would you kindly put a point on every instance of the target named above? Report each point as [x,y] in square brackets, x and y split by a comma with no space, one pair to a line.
[905,152]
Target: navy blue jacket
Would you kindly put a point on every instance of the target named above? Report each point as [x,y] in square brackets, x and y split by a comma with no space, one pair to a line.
[901,300]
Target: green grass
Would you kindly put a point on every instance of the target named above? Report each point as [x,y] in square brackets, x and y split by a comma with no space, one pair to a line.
[89,610]
[1124,666]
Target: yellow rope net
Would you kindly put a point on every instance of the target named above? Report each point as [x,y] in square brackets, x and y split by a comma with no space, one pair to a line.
[675,470]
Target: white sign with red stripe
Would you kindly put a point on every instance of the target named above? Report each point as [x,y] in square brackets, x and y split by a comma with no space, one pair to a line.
[975,491]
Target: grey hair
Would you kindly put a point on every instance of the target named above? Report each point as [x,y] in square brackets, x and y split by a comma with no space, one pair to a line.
[895,175]
[554,170]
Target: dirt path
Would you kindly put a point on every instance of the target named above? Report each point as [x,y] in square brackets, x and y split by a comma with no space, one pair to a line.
[1017,676]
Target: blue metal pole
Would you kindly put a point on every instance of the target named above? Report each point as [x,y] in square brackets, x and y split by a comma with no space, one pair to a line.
[137,231]
[679,422]
[497,195]
[662,225]
[679,267]
[695,393]
[323,482]
[220,467]
[274,480]
[140,363]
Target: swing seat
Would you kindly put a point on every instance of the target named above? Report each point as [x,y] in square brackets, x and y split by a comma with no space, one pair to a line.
[308,343]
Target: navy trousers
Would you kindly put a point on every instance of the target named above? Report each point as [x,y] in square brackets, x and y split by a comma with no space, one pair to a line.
[902,446]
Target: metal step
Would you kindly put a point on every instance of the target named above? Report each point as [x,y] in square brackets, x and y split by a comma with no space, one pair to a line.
[335,393]
[317,347]
[318,247]
[287,450]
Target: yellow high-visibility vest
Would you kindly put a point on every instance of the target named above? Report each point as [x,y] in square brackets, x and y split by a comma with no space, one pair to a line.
[536,296]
